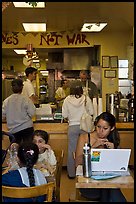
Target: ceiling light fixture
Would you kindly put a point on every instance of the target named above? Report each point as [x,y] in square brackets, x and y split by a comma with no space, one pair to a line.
[21,52]
[34,27]
[29,4]
[93,27]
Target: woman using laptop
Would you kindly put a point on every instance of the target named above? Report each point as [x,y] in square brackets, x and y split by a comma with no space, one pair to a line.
[105,135]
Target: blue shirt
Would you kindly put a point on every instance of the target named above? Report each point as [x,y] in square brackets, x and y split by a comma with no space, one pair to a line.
[13,178]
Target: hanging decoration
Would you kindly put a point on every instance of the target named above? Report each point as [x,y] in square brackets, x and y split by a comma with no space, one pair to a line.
[33,4]
[5,5]
[24,33]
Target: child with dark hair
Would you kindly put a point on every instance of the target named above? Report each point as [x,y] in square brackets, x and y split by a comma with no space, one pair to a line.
[26,175]
[47,159]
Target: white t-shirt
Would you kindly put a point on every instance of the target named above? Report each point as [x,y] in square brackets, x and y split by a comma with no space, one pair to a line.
[60,93]
[73,108]
[48,157]
[28,88]
[38,176]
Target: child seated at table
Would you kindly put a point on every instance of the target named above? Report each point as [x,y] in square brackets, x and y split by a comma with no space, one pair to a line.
[47,159]
[26,175]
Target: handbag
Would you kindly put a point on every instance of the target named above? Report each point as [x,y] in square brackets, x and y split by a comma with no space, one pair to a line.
[86,121]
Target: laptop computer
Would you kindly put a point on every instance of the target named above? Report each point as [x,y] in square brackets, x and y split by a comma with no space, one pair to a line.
[110,159]
[110,162]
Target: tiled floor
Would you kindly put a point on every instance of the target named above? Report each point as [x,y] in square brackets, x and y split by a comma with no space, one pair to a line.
[68,186]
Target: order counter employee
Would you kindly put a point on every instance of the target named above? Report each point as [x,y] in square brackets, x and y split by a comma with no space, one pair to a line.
[61,93]
[28,88]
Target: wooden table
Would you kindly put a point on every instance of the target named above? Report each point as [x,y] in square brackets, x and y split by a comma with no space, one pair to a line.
[122,182]
[118,182]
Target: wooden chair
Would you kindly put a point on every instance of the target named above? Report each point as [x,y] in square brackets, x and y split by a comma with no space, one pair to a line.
[59,156]
[29,192]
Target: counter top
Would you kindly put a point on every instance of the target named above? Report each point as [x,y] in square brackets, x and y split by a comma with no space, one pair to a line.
[48,121]
[52,128]
[125,125]
[119,125]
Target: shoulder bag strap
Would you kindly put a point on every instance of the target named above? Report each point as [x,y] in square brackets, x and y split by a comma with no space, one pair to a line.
[88,132]
[89,140]
[85,100]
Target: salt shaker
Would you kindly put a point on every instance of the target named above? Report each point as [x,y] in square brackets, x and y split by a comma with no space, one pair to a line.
[86,161]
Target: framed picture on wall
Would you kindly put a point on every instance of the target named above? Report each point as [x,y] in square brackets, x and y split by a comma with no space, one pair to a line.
[110,73]
[105,61]
[113,61]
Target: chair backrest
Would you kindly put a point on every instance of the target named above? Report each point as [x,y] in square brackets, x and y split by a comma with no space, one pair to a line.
[59,153]
[29,192]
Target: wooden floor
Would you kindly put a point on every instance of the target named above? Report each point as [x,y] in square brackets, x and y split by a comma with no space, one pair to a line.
[68,186]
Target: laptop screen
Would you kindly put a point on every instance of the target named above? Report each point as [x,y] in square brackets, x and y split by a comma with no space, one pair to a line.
[110,159]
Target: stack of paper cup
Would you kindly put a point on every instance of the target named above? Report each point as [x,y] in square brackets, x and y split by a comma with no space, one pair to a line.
[112,104]
[95,108]
[99,106]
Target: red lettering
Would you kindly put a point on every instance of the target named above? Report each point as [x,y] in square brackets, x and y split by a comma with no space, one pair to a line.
[57,36]
[15,40]
[4,37]
[78,38]
[71,40]
[84,40]
[47,39]
[50,38]
[9,40]
[43,38]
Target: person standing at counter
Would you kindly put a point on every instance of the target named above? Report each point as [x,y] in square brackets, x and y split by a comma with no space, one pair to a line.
[61,93]
[89,87]
[18,111]
[28,88]
[72,109]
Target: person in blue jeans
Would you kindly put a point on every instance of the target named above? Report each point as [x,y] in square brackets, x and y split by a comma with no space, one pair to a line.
[105,135]
[26,175]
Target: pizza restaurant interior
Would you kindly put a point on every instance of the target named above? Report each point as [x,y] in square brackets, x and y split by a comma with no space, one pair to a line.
[64,64]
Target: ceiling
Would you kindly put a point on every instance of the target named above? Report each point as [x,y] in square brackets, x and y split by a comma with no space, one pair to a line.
[67,16]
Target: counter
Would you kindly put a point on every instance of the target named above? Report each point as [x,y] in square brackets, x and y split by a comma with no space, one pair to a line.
[126,132]
[58,136]
[125,125]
